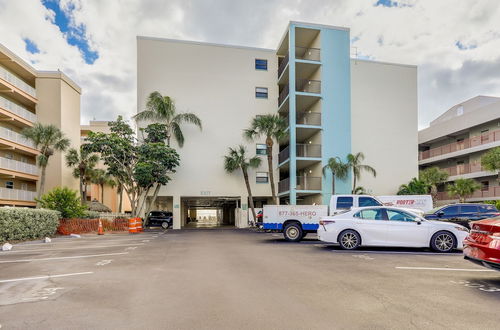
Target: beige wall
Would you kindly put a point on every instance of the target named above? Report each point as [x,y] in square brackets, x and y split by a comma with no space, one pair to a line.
[384,123]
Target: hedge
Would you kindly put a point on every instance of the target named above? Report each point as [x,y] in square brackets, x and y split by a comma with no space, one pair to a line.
[79,226]
[24,223]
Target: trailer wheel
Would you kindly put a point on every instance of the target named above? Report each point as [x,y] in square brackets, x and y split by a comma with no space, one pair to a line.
[293,232]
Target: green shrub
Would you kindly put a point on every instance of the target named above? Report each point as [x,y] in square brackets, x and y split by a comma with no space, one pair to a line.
[64,200]
[496,203]
[87,214]
[23,223]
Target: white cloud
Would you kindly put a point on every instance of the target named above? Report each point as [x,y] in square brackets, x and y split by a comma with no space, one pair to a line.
[424,33]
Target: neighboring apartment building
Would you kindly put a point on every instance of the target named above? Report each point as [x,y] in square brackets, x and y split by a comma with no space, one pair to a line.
[108,196]
[457,139]
[335,105]
[28,96]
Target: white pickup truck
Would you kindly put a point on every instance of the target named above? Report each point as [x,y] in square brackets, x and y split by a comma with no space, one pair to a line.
[295,221]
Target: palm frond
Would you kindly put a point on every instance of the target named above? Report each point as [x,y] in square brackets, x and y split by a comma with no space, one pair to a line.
[188,117]
[176,129]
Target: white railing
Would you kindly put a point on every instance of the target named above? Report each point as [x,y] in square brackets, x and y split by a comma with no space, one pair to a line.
[18,166]
[16,81]
[17,109]
[17,194]
[8,134]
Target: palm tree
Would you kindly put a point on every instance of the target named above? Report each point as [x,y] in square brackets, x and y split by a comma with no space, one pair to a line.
[354,163]
[433,176]
[491,161]
[414,187]
[48,139]
[236,159]
[462,188]
[272,127]
[102,178]
[162,109]
[83,162]
[339,169]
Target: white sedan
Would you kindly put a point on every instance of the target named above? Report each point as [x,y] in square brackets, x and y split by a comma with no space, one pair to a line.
[388,226]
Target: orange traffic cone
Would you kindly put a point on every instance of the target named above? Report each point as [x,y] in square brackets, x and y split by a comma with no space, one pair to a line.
[100,231]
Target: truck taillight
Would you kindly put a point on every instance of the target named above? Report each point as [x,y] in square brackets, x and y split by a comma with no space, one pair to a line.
[325,222]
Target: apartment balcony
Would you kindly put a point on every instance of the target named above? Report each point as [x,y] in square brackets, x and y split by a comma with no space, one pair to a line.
[282,65]
[16,195]
[17,166]
[306,154]
[463,147]
[308,150]
[308,183]
[480,195]
[21,90]
[283,95]
[284,155]
[309,118]
[308,54]
[284,185]
[18,110]
[12,136]
[308,86]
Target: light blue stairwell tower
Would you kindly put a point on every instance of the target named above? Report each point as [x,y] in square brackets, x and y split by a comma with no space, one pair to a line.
[314,79]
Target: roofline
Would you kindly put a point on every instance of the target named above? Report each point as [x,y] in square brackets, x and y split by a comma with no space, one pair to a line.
[203,43]
[324,26]
[386,63]
[18,59]
[60,75]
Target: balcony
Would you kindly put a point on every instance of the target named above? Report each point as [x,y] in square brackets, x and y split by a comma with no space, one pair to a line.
[282,65]
[308,86]
[17,82]
[309,118]
[17,194]
[309,150]
[308,183]
[10,135]
[18,166]
[483,194]
[461,145]
[284,185]
[463,169]
[308,53]
[284,155]
[283,94]
[17,109]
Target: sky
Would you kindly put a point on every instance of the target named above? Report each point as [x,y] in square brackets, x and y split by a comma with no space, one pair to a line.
[454,43]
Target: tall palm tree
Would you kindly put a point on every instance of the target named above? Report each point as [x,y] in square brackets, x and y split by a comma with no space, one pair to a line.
[83,162]
[102,178]
[48,139]
[462,188]
[236,159]
[272,127]
[354,163]
[339,169]
[162,109]
[433,176]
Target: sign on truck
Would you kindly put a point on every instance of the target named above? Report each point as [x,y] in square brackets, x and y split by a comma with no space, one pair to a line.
[416,202]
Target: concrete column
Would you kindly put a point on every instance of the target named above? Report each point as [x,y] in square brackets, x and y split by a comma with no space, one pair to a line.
[292,116]
[177,212]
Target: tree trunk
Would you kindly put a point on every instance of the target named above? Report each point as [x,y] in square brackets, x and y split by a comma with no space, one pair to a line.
[269,151]
[41,187]
[433,195]
[82,196]
[143,202]
[153,200]
[120,198]
[102,193]
[250,197]
[353,184]
[333,184]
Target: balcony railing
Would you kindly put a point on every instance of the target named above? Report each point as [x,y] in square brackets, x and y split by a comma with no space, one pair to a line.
[284,155]
[282,65]
[464,169]
[307,53]
[14,80]
[309,150]
[18,166]
[17,109]
[308,86]
[309,118]
[15,137]
[17,194]
[283,94]
[308,183]
[461,145]
[284,185]
[487,192]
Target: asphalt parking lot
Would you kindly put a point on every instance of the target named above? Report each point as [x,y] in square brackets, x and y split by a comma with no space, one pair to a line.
[238,279]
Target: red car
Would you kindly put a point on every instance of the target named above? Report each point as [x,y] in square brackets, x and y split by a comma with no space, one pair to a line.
[482,246]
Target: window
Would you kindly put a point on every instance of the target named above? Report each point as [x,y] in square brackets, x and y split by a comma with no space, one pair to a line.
[261,92]
[344,202]
[261,149]
[9,184]
[485,185]
[368,201]
[370,214]
[394,215]
[8,155]
[487,208]
[468,209]
[450,210]
[262,177]
[260,64]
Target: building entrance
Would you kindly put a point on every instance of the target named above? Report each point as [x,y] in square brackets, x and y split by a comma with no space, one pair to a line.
[209,212]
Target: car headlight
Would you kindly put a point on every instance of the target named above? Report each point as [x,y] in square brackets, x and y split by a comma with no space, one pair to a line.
[460,228]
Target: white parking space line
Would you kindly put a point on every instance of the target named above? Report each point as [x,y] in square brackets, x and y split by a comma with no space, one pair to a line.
[400,252]
[43,277]
[447,269]
[72,248]
[62,258]
[53,243]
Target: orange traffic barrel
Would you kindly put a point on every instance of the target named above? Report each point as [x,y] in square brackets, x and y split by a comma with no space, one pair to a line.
[131,226]
[138,225]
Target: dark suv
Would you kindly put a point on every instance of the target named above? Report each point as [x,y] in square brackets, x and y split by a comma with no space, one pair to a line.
[162,219]
[462,213]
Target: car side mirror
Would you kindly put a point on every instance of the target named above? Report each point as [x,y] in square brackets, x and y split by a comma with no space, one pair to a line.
[440,213]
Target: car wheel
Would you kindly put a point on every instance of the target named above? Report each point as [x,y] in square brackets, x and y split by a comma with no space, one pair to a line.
[349,240]
[164,225]
[293,232]
[443,241]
